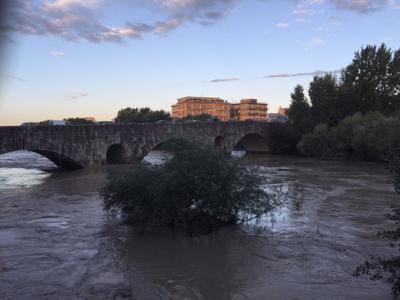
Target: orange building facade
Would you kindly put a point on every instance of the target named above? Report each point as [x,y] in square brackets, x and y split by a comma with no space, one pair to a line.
[194,106]
[283,111]
[247,109]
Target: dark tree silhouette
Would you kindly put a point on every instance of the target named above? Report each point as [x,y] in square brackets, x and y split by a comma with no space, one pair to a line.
[323,93]
[299,111]
[142,115]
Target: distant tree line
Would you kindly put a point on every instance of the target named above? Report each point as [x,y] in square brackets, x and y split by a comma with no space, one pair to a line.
[200,117]
[141,115]
[68,121]
[78,121]
[371,83]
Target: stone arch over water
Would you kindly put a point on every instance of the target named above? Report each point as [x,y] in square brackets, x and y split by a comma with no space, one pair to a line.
[62,161]
[116,154]
[253,143]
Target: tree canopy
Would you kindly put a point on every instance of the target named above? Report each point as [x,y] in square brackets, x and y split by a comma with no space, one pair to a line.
[201,117]
[197,190]
[141,115]
[299,111]
[343,110]
[324,98]
[78,121]
[371,82]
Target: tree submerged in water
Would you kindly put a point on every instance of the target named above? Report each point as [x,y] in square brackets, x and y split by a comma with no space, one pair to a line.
[197,191]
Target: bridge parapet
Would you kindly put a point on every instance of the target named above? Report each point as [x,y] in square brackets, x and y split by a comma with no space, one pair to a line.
[84,145]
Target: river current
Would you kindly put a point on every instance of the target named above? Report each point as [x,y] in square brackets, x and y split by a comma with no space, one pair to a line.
[57,243]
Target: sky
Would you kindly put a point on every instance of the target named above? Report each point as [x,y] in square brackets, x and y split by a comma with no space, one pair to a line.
[90,58]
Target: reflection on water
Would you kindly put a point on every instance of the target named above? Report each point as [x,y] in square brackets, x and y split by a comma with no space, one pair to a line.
[26,160]
[157,157]
[17,178]
[57,243]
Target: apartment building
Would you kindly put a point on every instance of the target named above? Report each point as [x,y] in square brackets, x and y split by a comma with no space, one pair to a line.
[246,109]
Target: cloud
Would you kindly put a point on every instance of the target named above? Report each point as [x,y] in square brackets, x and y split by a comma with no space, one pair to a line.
[306,8]
[78,95]
[67,4]
[57,53]
[395,4]
[316,73]
[282,25]
[316,41]
[224,80]
[12,77]
[83,20]
[168,25]
[361,6]
[80,20]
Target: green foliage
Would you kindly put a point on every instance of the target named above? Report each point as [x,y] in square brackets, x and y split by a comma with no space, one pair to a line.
[367,137]
[201,117]
[371,82]
[78,121]
[283,138]
[196,186]
[299,111]
[324,98]
[319,143]
[142,115]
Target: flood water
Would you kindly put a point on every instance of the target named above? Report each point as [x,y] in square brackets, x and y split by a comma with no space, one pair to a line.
[57,243]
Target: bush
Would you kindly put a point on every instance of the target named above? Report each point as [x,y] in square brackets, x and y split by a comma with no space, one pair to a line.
[283,138]
[365,137]
[197,190]
[318,143]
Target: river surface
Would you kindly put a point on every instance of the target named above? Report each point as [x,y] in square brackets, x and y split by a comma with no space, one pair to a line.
[57,243]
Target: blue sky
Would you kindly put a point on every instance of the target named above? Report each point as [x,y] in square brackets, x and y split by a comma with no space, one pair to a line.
[70,58]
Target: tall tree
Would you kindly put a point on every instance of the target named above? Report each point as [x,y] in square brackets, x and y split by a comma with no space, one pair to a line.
[299,111]
[323,93]
[370,81]
[394,70]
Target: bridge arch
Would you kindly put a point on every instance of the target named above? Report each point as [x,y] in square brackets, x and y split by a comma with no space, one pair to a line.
[166,144]
[253,143]
[116,154]
[60,160]
[160,151]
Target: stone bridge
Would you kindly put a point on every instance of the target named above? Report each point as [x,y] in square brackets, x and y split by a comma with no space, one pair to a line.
[78,146]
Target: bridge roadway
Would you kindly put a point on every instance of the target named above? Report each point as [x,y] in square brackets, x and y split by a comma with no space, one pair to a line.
[77,146]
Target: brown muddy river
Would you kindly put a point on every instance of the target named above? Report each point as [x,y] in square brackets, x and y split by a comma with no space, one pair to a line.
[57,243]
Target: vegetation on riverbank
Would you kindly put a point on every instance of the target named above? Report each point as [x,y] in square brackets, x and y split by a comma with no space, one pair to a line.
[197,190]
[347,117]
[371,136]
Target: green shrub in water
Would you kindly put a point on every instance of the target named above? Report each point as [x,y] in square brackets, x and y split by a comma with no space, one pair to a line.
[197,190]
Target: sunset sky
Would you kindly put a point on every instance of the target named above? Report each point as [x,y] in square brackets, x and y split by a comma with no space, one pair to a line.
[79,58]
